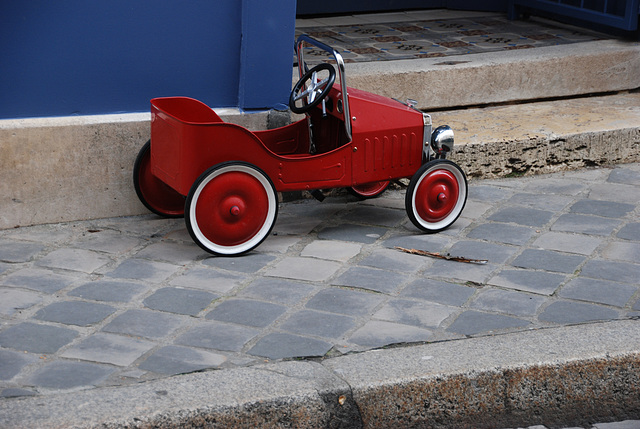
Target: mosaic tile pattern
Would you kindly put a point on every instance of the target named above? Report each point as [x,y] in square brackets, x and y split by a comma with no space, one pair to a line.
[437,38]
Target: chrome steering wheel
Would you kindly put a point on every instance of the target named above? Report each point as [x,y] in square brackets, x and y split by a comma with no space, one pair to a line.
[312,88]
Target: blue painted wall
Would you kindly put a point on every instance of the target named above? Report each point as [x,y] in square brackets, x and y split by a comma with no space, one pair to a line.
[82,57]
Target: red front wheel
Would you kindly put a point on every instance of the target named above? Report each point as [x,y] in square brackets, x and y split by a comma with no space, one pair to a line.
[436,195]
[156,195]
[231,208]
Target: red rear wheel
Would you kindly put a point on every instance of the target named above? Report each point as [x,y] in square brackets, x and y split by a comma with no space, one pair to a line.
[231,208]
[156,195]
[369,190]
[436,195]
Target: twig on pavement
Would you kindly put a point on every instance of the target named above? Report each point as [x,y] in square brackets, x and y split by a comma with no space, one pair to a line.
[441,256]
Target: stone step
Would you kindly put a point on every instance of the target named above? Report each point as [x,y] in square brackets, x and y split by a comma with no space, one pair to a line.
[544,137]
[506,76]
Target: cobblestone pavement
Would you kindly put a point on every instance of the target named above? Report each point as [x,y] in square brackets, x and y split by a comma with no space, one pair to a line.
[123,300]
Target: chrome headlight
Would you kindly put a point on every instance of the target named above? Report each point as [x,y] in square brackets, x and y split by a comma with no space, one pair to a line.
[442,140]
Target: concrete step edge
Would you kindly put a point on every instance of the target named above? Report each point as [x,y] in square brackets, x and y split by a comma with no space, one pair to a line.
[558,376]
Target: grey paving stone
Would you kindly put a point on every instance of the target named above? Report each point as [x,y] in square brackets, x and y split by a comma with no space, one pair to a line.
[180,233]
[68,375]
[247,264]
[541,201]
[473,322]
[622,251]
[548,260]
[553,185]
[144,323]
[438,291]
[394,260]
[278,290]
[36,338]
[311,209]
[247,312]
[140,269]
[379,333]
[179,300]
[109,348]
[630,231]
[344,301]
[502,233]
[475,209]
[11,363]
[566,312]
[600,291]
[108,241]
[145,226]
[418,313]
[570,243]
[421,241]
[175,253]
[522,216]
[77,313]
[108,290]
[86,261]
[354,233]
[602,208]
[624,272]
[509,302]
[280,345]
[375,215]
[331,250]
[43,234]
[615,192]
[529,281]
[318,324]
[218,336]
[589,175]
[278,243]
[488,193]
[389,200]
[494,253]
[208,279]
[39,279]
[371,279]
[15,392]
[17,251]
[585,224]
[3,267]
[291,224]
[624,175]
[173,360]
[13,300]
[309,269]
[455,230]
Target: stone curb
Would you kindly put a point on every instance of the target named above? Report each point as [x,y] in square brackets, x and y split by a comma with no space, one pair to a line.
[561,376]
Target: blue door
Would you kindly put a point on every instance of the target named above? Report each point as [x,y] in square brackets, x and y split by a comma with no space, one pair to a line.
[324,7]
[622,14]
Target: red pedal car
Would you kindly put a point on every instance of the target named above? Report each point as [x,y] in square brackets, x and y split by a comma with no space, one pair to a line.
[224,178]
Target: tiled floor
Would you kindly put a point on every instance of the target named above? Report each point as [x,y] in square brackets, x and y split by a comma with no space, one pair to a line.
[424,34]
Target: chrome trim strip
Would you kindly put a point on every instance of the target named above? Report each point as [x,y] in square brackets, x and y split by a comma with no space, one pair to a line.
[426,146]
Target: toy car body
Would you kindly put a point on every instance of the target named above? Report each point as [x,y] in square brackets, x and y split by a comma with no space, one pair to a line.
[224,178]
